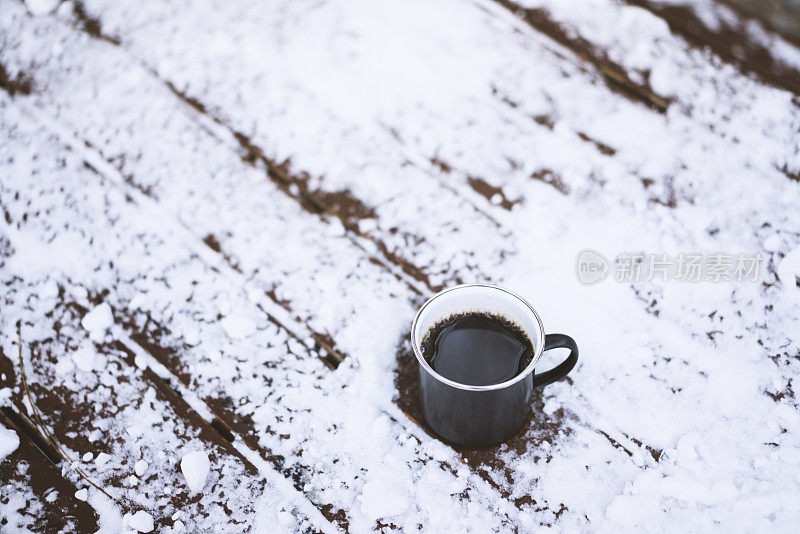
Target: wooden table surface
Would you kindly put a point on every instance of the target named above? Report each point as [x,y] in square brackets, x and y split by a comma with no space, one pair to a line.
[219,218]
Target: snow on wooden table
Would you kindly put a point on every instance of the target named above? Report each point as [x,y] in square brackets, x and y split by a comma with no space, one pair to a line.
[220,217]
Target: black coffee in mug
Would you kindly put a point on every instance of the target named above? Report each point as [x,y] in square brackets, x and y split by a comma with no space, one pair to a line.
[477,349]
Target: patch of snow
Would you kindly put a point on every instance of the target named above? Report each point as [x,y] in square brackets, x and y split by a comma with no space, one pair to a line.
[367,225]
[789,270]
[195,466]
[285,487]
[84,359]
[65,365]
[192,337]
[98,320]
[141,521]
[238,326]
[140,467]
[140,360]
[525,519]
[380,427]
[9,441]
[109,518]
[87,457]
[82,494]
[772,243]
[380,498]
[102,458]
[437,450]
[49,289]
[41,7]
[285,518]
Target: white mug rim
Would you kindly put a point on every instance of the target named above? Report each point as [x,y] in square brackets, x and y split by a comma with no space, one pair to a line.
[525,372]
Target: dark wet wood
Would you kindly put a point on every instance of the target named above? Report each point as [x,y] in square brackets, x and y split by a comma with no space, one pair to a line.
[46,500]
[63,419]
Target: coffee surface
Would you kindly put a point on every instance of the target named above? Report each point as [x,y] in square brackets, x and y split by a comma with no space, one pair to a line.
[477,349]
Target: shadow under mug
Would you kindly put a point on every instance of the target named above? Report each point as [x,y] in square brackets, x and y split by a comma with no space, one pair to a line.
[482,416]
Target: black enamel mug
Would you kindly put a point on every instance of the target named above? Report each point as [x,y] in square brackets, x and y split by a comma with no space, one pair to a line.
[482,416]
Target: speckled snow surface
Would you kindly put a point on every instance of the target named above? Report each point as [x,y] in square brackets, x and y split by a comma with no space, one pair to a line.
[158,245]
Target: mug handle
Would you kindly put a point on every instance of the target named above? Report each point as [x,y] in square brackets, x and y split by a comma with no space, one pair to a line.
[557,341]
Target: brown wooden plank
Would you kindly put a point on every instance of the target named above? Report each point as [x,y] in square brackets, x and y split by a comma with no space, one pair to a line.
[251,246]
[781,17]
[730,38]
[34,497]
[430,248]
[618,192]
[265,387]
[107,416]
[614,74]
